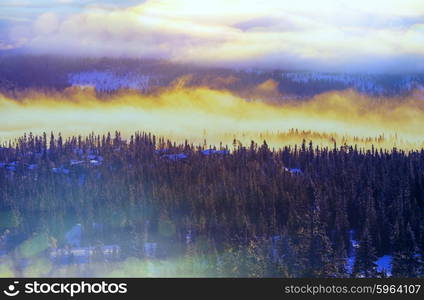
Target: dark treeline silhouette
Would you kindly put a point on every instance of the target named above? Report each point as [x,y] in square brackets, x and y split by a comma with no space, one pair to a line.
[251,210]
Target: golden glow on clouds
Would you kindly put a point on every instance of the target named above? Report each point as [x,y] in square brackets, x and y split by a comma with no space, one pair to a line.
[197,113]
[327,34]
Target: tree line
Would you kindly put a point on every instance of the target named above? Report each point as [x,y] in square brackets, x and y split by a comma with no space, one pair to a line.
[246,210]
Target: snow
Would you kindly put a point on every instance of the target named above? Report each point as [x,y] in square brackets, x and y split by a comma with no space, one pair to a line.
[75,162]
[92,159]
[352,252]
[80,255]
[293,170]
[161,151]
[213,151]
[385,263]
[11,168]
[32,166]
[95,162]
[175,157]
[350,263]
[366,83]
[106,81]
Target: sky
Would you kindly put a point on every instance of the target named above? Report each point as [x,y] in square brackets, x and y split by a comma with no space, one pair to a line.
[319,35]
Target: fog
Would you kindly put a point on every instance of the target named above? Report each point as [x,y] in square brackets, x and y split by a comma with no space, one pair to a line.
[202,113]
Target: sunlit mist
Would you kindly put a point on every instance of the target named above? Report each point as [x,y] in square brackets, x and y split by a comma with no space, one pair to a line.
[201,114]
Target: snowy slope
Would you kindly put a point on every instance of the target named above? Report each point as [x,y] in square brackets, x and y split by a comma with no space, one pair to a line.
[376,84]
[109,81]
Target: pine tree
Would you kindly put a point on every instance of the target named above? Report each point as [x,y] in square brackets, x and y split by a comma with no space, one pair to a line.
[365,257]
[406,261]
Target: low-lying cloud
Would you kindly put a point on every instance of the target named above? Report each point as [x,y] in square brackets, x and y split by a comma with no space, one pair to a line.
[202,113]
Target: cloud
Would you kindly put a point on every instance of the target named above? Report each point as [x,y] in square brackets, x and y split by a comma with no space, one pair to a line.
[371,35]
[46,24]
[200,112]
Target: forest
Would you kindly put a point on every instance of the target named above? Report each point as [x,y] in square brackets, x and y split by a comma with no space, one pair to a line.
[55,73]
[199,210]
